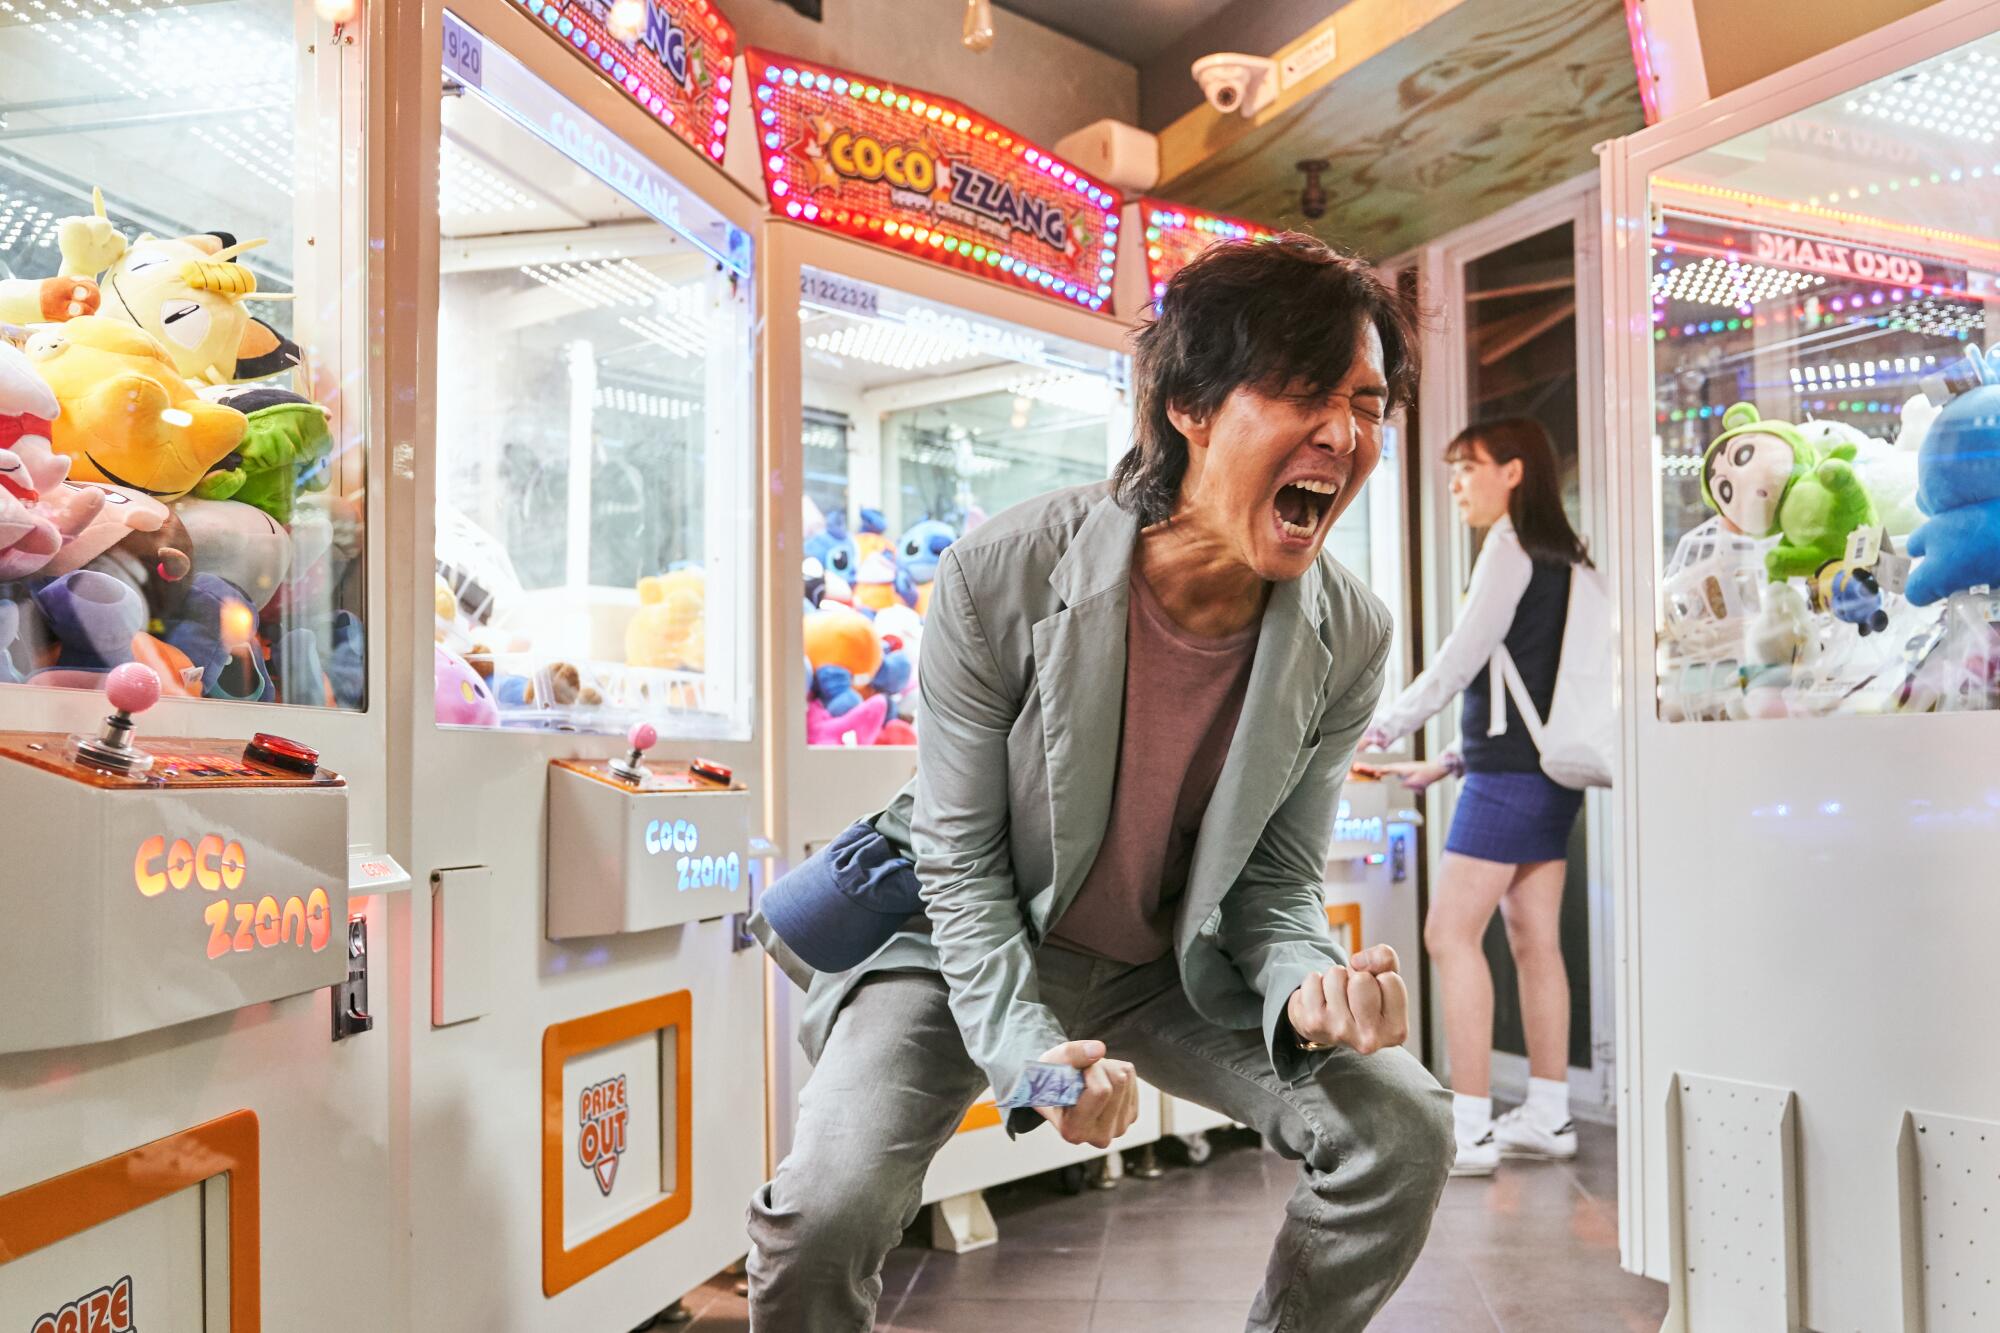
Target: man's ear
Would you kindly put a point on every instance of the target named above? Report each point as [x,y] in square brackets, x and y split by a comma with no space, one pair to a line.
[1192,427]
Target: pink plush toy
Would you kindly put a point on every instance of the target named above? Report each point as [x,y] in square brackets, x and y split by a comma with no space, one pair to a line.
[462,697]
[859,725]
[35,517]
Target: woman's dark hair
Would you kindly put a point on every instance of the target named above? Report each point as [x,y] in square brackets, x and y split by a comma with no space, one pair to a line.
[1536,506]
[1269,314]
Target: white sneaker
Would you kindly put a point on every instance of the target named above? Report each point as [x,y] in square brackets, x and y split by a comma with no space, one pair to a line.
[1477,1157]
[1516,1135]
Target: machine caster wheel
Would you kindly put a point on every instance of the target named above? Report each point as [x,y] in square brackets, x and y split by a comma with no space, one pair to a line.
[1072,1179]
[1199,1149]
[1145,1164]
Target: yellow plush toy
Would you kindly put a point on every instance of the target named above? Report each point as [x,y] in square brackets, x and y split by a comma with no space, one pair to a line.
[127,417]
[670,629]
[185,291]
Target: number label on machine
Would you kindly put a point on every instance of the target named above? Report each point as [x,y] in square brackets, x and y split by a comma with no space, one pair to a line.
[836,293]
[464,52]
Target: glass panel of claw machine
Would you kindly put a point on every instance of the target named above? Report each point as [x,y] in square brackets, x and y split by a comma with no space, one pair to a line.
[176,486]
[921,421]
[1824,413]
[593,521]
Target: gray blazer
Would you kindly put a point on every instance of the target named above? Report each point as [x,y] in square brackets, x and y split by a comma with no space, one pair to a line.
[1022,691]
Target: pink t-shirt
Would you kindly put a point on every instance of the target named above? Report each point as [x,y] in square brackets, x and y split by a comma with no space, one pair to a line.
[1183,694]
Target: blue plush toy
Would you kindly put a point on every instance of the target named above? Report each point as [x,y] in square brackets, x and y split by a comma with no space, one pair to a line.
[93,617]
[835,687]
[216,630]
[892,678]
[918,550]
[1958,485]
[834,549]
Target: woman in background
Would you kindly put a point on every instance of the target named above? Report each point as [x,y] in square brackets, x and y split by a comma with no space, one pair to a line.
[1509,839]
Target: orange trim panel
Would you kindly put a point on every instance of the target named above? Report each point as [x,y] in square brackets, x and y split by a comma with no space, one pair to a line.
[53,1210]
[563,1268]
[983,1115]
[1348,915]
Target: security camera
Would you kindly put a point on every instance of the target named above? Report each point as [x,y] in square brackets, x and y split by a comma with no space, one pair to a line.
[1312,196]
[1233,82]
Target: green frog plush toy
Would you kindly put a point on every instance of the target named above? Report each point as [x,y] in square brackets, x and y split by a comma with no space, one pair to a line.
[1764,478]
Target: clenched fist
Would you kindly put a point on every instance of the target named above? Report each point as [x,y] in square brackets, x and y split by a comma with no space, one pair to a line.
[1363,1006]
[1110,1100]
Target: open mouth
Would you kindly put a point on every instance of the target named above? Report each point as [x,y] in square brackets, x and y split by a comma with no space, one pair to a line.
[1302,506]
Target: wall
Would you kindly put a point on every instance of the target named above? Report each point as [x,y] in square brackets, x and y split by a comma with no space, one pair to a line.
[1034,81]
[1255,27]
[1741,43]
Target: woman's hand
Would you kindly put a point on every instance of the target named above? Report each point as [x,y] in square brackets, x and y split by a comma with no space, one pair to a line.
[1414,776]
[1375,738]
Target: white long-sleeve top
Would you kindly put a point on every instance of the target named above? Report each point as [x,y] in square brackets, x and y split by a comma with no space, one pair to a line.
[1499,578]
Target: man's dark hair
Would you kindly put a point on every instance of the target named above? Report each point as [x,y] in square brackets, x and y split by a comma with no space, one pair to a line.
[1270,315]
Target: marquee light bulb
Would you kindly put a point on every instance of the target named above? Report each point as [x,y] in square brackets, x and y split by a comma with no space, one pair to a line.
[625,20]
[337,12]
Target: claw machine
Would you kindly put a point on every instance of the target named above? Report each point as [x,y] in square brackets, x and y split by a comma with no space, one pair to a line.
[939,347]
[1370,877]
[195,1106]
[574,516]
[1801,298]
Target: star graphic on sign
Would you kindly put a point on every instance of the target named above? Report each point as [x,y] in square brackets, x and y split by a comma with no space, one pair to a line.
[811,149]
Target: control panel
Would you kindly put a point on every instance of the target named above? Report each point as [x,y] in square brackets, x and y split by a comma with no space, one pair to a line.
[159,882]
[638,845]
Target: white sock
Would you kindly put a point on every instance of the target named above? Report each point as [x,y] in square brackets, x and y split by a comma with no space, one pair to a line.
[1471,1116]
[1548,1102]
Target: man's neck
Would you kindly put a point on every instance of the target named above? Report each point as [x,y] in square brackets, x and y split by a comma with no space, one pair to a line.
[1202,587]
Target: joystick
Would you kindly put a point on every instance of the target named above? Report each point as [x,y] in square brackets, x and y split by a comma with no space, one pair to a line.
[132,688]
[632,768]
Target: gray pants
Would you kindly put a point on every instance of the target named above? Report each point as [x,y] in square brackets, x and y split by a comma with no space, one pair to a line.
[1372,1135]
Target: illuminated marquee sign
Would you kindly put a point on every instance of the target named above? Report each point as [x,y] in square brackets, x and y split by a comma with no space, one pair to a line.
[672,57]
[601,1114]
[929,177]
[106,1310]
[1175,235]
[1837,260]
[235,925]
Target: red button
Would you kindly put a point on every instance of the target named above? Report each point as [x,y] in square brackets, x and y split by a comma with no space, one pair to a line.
[714,772]
[281,753]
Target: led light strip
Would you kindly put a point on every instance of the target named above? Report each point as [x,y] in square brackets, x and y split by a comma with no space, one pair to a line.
[1719,282]
[1753,200]
[713,126]
[1168,247]
[945,244]
[617,398]
[893,345]
[1959,98]
[467,185]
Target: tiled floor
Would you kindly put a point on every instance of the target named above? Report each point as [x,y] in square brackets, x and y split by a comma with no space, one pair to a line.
[1534,1250]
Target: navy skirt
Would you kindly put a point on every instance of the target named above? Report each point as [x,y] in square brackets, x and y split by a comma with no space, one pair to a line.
[1513,818]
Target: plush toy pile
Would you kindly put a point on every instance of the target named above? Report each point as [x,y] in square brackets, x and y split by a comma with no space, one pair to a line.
[1795,599]
[163,489]
[866,597]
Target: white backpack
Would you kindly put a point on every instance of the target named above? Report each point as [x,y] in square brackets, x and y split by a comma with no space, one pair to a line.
[1579,740]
